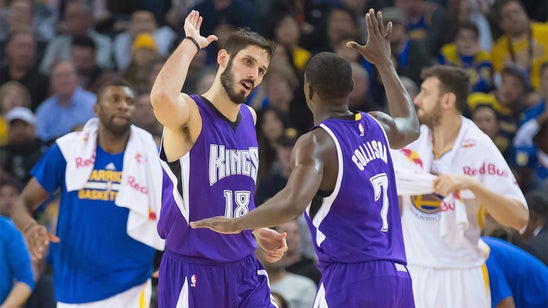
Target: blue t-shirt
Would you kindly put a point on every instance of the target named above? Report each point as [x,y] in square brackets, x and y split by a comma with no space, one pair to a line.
[95,258]
[15,262]
[515,273]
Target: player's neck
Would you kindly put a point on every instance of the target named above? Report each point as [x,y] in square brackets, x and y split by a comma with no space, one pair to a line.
[111,143]
[330,112]
[224,105]
[445,134]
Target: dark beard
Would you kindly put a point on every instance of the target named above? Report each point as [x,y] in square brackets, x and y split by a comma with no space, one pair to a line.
[431,119]
[228,83]
[116,130]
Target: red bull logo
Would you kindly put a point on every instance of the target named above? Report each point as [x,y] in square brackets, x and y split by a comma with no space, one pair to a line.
[412,156]
[485,168]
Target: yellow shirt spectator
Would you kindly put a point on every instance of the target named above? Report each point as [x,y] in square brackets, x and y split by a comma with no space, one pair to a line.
[529,52]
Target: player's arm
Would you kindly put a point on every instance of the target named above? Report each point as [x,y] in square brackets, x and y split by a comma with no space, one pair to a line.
[507,303]
[308,157]
[36,235]
[18,295]
[402,125]
[172,108]
[507,211]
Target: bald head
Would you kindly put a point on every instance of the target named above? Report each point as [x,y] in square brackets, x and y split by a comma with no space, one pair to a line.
[329,75]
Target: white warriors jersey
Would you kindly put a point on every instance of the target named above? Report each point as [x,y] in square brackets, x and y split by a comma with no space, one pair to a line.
[472,154]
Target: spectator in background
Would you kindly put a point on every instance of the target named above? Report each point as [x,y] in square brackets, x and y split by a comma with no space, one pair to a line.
[286,32]
[409,55]
[196,70]
[142,21]
[143,51]
[69,106]
[475,11]
[516,278]
[536,235]
[31,14]
[271,125]
[20,65]
[279,87]
[427,22]
[237,13]
[341,22]
[24,149]
[508,100]
[300,257]
[358,98]
[296,289]
[221,18]
[523,43]
[526,154]
[144,118]
[485,117]
[275,180]
[532,161]
[79,22]
[310,15]
[349,54]
[465,53]
[12,94]
[90,75]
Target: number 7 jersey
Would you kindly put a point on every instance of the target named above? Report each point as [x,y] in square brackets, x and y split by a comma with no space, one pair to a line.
[359,221]
[215,178]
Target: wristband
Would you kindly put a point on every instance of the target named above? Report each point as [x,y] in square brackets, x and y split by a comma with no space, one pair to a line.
[194,41]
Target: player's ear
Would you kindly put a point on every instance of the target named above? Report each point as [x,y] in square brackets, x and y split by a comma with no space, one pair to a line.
[222,58]
[309,91]
[448,99]
[96,108]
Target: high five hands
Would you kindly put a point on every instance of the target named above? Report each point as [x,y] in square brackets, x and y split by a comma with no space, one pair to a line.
[377,47]
[192,25]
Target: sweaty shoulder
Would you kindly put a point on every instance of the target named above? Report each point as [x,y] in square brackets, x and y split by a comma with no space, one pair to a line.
[177,141]
[317,149]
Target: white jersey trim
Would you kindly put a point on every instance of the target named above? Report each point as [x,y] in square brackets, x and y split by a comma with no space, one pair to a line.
[328,202]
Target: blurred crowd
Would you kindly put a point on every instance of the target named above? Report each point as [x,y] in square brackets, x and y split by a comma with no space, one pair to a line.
[56,54]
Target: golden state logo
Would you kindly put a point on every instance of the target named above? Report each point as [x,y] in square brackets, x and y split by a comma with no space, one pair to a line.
[427,204]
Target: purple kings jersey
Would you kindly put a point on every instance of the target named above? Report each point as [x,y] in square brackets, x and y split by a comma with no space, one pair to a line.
[359,221]
[215,178]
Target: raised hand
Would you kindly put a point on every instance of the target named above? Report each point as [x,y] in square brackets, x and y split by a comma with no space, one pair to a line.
[377,48]
[192,25]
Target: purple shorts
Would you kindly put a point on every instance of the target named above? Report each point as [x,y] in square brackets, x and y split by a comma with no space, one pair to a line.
[366,284]
[187,283]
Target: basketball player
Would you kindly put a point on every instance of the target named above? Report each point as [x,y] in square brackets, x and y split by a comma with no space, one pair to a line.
[444,258]
[209,156]
[344,180]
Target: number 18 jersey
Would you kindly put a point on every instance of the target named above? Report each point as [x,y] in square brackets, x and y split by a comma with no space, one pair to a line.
[215,178]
